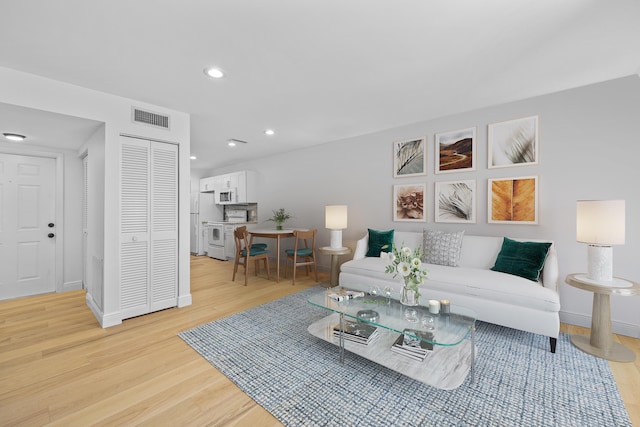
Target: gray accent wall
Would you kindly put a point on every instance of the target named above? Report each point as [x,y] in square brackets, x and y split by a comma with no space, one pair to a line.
[589,149]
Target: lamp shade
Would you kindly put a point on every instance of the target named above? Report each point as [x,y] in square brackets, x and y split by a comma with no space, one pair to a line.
[335,217]
[600,222]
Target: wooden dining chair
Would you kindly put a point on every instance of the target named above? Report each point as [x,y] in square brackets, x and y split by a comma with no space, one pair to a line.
[303,253]
[246,253]
[253,245]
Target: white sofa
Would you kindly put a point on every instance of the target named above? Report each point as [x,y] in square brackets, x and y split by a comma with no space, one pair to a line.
[496,297]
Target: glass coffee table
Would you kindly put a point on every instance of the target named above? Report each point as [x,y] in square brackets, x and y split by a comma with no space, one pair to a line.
[450,335]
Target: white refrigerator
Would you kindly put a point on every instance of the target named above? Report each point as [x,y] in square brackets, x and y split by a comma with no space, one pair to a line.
[203,209]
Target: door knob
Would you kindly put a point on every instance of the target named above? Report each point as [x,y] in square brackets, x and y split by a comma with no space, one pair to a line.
[51,225]
[50,235]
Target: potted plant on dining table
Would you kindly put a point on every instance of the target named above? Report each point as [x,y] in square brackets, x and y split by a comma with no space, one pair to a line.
[280,216]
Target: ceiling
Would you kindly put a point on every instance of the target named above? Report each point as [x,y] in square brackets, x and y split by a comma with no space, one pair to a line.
[317,71]
[46,129]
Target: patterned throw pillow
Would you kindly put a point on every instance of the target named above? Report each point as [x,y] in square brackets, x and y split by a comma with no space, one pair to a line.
[442,247]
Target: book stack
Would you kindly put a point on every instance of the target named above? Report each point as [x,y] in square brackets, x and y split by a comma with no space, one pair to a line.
[408,344]
[357,332]
[344,295]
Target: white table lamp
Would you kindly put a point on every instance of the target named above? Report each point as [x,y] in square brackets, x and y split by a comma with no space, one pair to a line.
[336,221]
[600,224]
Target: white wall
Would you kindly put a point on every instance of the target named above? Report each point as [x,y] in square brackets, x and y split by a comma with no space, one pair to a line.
[32,91]
[588,150]
[94,258]
[72,269]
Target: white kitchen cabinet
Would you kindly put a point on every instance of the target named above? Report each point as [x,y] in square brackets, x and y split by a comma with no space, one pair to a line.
[148,226]
[207,184]
[222,181]
[245,184]
[247,187]
[234,180]
[218,182]
[229,241]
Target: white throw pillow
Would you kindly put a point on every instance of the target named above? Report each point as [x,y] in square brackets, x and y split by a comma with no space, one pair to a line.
[386,256]
[442,247]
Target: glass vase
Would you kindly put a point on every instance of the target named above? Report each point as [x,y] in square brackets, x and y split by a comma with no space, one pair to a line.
[409,296]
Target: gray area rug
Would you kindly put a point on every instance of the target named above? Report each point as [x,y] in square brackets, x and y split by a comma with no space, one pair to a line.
[269,354]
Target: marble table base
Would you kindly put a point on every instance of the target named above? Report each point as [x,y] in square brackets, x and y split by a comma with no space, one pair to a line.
[445,368]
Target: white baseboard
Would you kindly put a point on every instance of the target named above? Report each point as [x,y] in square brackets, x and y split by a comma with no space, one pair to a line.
[621,328]
[72,286]
[104,320]
[184,300]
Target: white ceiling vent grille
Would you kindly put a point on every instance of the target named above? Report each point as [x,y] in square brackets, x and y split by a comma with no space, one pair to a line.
[149,118]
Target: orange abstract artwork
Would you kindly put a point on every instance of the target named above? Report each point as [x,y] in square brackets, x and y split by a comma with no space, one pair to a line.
[513,200]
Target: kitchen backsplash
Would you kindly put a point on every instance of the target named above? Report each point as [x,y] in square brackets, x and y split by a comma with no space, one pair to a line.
[250,208]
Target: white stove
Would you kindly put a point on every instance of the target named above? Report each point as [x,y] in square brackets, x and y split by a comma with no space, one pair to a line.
[215,240]
[220,243]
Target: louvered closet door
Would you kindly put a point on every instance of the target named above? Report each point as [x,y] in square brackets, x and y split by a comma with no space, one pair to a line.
[134,225]
[149,221]
[164,226]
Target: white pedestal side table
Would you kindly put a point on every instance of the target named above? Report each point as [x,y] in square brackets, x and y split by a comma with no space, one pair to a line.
[600,343]
[335,253]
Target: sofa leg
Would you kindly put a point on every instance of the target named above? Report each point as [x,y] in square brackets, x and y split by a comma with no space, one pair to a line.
[552,342]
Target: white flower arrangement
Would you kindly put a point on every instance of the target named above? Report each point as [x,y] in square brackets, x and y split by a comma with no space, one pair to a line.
[407,262]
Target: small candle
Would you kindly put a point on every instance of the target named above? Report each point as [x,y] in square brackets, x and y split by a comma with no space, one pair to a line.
[445,306]
[434,306]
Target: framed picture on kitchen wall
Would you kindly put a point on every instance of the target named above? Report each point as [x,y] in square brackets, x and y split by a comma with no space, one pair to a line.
[410,157]
[455,201]
[513,143]
[409,202]
[513,200]
[455,151]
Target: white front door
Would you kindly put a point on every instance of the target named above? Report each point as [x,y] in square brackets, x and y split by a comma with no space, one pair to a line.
[27,219]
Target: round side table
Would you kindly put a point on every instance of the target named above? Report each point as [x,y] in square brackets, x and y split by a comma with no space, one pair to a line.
[600,343]
[335,253]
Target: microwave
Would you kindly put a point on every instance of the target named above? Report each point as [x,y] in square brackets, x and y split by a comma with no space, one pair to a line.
[225,196]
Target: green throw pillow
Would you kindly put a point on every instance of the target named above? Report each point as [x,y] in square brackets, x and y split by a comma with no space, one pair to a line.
[379,241]
[524,259]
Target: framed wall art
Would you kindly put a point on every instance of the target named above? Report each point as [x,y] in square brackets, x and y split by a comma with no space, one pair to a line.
[455,201]
[410,158]
[513,200]
[513,143]
[455,151]
[409,202]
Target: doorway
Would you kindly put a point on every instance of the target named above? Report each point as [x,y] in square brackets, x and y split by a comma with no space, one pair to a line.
[27,225]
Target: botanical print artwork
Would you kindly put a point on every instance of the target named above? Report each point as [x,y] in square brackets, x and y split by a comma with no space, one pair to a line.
[513,143]
[410,158]
[409,202]
[513,200]
[456,201]
[455,151]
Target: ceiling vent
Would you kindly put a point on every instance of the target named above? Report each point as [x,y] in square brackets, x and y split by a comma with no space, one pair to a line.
[238,141]
[149,118]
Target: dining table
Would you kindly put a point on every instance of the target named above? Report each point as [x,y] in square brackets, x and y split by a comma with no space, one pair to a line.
[273,234]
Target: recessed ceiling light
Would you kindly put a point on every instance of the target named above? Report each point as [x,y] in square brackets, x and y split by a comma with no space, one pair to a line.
[270,132]
[216,73]
[232,142]
[193,158]
[14,136]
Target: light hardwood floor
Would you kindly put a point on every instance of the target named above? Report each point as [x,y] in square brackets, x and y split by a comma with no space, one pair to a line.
[58,367]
